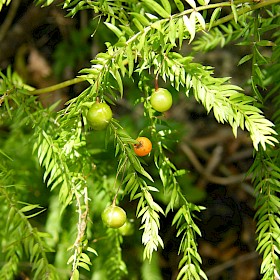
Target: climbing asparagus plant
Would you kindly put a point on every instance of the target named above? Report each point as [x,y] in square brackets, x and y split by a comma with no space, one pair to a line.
[147,38]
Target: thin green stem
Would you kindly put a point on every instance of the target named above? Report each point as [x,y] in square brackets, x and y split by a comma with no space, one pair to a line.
[57,86]
[245,10]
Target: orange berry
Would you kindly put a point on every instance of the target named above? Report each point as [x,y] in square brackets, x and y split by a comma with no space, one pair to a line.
[143,147]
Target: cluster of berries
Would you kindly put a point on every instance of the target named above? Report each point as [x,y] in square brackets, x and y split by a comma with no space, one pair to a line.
[99,117]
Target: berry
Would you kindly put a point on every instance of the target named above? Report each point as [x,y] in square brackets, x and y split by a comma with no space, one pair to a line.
[161,100]
[99,115]
[127,229]
[113,216]
[143,147]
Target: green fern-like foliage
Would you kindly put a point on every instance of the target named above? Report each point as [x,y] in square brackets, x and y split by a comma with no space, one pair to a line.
[265,169]
[20,239]
[147,36]
[117,267]
[24,239]
[266,178]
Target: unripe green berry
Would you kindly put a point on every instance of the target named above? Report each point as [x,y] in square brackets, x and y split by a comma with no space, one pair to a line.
[113,216]
[99,115]
[161,100]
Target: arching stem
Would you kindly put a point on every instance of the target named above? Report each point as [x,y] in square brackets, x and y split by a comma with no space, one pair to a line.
[57,86]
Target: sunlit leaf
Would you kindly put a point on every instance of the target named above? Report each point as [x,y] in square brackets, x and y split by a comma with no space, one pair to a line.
[154,6]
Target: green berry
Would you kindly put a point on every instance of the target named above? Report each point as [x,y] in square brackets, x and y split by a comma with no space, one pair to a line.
[113,216]
[99,116]
[161,100]
[127,229]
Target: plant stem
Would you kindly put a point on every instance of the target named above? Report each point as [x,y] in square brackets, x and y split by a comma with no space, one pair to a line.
[245,10]
[58,86]
[156,82]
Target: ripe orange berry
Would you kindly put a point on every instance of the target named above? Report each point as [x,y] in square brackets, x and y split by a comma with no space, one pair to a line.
[143,147]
